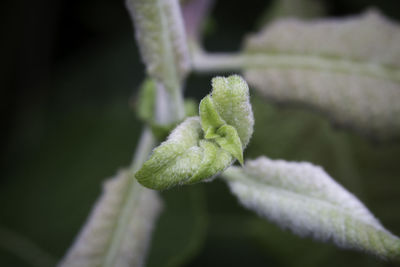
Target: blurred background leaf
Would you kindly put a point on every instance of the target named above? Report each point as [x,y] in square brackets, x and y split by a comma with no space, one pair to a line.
[181,230]
[332,65]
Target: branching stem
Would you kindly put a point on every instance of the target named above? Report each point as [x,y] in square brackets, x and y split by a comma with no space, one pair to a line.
[145,145]
[226,62]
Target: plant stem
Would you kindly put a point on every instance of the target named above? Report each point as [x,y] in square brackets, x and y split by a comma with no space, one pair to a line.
[25,249]
[170,82]
[162,42]
[209,62]
[161,39]
[145,145]
[118,230]
[169,99]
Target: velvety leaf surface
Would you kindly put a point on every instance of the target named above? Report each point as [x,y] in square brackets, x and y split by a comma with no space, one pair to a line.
[302,197]
[349,69]
[200,148]
[95,245]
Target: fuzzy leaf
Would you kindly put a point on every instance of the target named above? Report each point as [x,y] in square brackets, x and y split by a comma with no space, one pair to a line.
[347,68]
[227,116]
[183,158]
[162,42]
[161,36]
[199,148]
[229,140]
[210,118]
[231,98]
[303,198]
[92,246]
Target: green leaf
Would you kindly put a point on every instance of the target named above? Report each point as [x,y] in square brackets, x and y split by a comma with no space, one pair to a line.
[227,116]
[347,68]
[93,246]
[229,140]
[215,160]
[210,119]
[161,36]
[231,98]
[303,198]
[199,148]
[183,158]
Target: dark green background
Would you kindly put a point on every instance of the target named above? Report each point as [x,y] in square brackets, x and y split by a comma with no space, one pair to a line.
[69,73]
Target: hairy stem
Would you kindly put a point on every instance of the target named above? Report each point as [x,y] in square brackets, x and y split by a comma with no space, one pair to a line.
[170,80]
[145,145]
[162,41]
[169,99]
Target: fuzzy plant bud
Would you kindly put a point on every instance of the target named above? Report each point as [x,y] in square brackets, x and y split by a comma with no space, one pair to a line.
[201,147]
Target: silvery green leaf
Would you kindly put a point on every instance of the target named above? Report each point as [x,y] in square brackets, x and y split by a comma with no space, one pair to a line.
[162,42]
[210,118]
[226,115]
[100,243]
[231,99]
[305,199]
[199,148]
[183,158]
[347,68]
[229,140]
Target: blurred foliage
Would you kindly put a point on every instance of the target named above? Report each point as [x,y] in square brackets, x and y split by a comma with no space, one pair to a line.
[69,69]
[181,230]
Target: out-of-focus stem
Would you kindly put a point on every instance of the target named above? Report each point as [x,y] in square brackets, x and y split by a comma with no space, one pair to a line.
[226,62]
[145,145]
